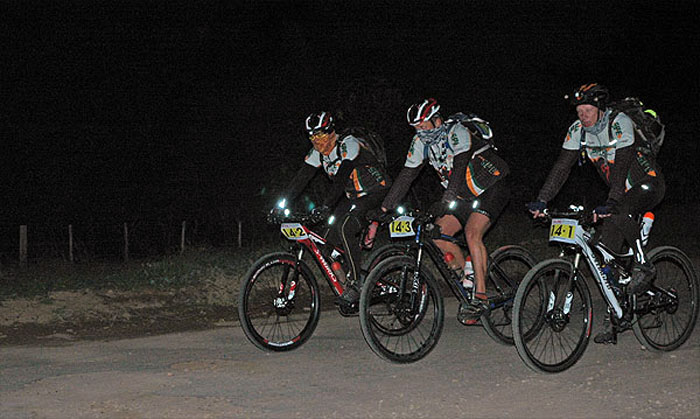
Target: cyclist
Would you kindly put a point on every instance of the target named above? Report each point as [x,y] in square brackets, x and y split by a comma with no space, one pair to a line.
[472,175]
[634,178]
[359,183]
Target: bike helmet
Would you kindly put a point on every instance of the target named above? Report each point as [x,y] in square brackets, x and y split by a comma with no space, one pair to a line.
[590,94]
[319,122]
[421,112]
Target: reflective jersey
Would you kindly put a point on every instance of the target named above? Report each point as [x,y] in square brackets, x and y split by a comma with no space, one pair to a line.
[601,149]
[483,170]
[366,174]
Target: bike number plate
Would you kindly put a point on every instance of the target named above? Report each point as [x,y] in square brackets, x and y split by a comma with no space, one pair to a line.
[402,227]
[563,230]
[293,231]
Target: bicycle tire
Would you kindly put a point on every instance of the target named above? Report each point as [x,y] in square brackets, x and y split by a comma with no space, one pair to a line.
[498,322]
[383,252]
[675,291]
[280,328]
[393,329]
[540,331]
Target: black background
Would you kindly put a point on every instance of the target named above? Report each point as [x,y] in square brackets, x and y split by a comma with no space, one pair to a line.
[143,110]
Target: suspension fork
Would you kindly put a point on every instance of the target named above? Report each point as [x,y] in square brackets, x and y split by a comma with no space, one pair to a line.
[294,278]
[560,298]
[415,277]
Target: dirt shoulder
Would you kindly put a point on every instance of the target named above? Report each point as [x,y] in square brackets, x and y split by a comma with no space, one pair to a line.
[85,315]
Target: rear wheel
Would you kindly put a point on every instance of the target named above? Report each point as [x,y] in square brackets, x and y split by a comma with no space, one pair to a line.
[552,324]
[278,304]
[508,266]
[379,254]
[666,314]
[398,324]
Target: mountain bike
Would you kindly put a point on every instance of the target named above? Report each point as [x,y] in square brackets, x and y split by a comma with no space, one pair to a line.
[279,300]
[401,306]
[553,303]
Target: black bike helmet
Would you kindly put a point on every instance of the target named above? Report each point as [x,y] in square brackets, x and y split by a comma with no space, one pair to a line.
[590,94]
[421,112]
[319,122]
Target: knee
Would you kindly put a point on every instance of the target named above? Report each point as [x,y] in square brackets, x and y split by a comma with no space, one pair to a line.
[473,236]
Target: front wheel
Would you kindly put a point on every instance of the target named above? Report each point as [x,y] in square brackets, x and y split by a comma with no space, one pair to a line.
[552,317]
[666,314]
[279,303]
[507,268]
[401,319]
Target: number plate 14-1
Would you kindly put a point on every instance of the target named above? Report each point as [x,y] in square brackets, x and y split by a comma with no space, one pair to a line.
[563,230]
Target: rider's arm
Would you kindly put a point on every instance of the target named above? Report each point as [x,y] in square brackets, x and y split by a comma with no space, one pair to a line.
[299,181]
[558,175]
[623,131]
[570,152]
[411,168]
[400,187]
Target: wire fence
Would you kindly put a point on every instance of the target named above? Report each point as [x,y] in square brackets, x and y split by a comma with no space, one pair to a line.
[123,240]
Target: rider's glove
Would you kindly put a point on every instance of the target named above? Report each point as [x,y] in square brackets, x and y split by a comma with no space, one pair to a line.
[321,211]
[607,209]
[536,206]
[376,214]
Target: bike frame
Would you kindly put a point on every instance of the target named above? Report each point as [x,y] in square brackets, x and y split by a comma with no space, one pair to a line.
[437,257]
[581,244]
[313,242]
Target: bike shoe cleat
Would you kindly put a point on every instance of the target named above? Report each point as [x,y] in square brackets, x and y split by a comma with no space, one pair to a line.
[642,277]
[349,297]
[470,312]
[605,338]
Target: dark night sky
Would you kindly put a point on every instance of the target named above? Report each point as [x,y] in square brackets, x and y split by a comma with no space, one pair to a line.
[126,109]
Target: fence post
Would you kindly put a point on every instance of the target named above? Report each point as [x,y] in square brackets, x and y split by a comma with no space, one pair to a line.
[240,234]
[70,243]
[126,243]
[23,246]
[182,238]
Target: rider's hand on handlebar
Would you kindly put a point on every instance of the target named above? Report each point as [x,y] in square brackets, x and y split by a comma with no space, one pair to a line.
[321,211]
[537,209]
[603,211]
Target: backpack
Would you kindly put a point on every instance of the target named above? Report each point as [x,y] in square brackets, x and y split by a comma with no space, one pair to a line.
[369,140]
[648,129]
[477,127]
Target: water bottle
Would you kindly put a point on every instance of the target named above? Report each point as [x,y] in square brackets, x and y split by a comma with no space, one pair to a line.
[371,234]
[609,276]
[647,221]
[468,277]
[336,266]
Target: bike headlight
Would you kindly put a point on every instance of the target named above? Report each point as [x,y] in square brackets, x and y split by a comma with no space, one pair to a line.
[400,210]
[287,212]
[331,219]
[452,205]
[282,203]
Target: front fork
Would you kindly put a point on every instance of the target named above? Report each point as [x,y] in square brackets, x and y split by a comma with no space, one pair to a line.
[289,283]
[559,298]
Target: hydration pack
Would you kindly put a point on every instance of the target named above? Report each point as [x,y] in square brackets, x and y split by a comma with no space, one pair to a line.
[370,141]
[649,132]
[479,129]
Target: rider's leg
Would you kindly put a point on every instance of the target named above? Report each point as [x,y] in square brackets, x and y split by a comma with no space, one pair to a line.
[482,211]
[476,227]
[637,200]
[350,228]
